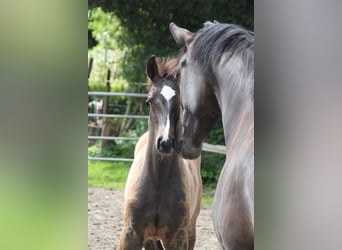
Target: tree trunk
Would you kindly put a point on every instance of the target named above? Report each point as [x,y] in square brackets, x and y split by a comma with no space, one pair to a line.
[90,66]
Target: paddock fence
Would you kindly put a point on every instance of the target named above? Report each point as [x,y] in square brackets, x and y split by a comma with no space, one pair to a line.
[219,149]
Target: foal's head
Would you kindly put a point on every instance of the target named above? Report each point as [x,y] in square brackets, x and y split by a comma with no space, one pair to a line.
[163,97]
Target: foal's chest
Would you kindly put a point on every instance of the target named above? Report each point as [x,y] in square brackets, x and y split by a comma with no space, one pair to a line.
[163,207]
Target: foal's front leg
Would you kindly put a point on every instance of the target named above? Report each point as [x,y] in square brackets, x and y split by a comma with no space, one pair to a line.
[192,236]
[178,241]
[153,245]
[129,240]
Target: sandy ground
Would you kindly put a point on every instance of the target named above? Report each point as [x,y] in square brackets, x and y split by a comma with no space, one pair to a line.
[105,222]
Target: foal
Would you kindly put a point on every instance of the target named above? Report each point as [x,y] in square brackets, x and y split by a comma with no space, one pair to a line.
[163,191]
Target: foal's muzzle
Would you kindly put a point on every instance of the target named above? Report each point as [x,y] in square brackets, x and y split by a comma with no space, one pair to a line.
[165,146]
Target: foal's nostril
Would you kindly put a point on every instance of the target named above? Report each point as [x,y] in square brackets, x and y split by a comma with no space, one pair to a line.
[165,145]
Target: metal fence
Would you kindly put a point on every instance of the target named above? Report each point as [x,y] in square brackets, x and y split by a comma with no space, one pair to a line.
[206,147]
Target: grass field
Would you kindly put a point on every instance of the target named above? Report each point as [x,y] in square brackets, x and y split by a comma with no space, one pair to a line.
[113,175]
[106,174]
[207,198]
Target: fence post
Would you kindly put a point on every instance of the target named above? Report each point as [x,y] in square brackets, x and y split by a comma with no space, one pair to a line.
[90,66]
[106,123]
[106,98]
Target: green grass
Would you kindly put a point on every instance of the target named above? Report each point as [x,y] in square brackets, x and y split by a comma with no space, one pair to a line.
[113,175]
[109,175]
[207,198]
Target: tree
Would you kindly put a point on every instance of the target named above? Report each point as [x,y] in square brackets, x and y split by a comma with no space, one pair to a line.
[147,23]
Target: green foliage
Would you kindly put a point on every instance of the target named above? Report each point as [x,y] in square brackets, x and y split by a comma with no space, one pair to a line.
[207,198]
[212,163]
[106,25]
[141,28]
[122,149]
[116,50]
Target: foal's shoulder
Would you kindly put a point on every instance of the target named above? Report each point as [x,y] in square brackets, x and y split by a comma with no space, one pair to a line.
[142,142]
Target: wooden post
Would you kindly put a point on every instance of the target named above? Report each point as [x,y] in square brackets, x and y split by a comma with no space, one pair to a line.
[106,98]
[106,122]
[90,66]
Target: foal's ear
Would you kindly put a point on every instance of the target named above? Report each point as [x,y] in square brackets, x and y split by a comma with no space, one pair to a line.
[152,68]
[181,35]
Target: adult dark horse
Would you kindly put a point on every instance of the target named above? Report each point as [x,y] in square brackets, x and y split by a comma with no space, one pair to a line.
[163,191]
[216,74]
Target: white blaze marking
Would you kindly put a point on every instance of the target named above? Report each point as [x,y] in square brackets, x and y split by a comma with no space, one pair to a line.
[168,93]
[166,129]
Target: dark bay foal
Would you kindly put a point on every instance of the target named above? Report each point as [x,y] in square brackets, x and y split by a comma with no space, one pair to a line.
[163,191]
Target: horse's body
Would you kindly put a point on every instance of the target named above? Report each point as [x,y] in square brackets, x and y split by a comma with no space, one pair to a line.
[216,74]
[163,191]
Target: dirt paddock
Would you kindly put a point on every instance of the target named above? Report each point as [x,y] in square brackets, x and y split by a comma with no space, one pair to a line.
[105,222]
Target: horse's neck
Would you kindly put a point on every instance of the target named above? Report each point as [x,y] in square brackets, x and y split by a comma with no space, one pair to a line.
[234,87]
[237,115]
[240,130]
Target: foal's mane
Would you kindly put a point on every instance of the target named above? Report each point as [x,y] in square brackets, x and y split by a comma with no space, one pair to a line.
[166,68]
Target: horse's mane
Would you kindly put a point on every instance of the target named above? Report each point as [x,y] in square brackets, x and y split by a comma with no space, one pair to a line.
[213,40]
[216,41]
[166,68]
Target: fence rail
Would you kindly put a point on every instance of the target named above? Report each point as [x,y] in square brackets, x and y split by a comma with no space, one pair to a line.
[206,147]
[214,148]
[109,159]
[112,138]
[115,81]
[117,94]
[119,116]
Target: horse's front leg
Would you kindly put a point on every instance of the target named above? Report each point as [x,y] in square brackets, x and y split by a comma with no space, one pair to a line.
[129,240]
[178,241]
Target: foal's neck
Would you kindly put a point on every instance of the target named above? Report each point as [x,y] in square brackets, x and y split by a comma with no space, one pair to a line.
[159,167]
